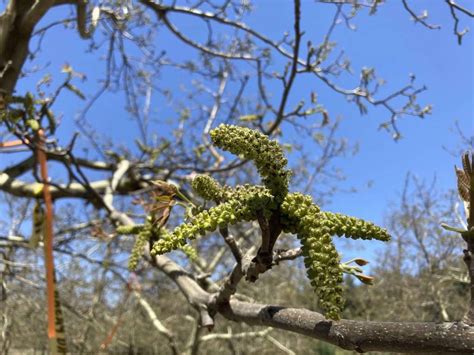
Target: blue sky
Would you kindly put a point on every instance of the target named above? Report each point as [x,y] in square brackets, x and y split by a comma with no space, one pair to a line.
[389,41]
[396,47]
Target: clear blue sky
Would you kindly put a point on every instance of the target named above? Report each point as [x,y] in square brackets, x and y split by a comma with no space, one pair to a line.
[389,41]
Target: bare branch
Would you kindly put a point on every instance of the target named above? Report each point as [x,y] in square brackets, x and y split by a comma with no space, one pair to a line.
[290,254]
[419,18]
[453,7]
[161,14]
[161,329]
[359,336]
[294,66]
[232,244]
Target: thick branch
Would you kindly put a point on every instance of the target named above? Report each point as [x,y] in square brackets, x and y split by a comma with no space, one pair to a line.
[21,188]
[16,26]
[28,164]
[195,295]
[35,13]
[360,336]
[13,48]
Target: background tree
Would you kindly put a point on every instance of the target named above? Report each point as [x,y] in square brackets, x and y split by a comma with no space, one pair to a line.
[229,66]
[420,274]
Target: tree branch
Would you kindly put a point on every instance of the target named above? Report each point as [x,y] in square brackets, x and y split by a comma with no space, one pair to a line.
[24,189]
[161,14]
[35,13]
[360,336]
[156,322]
[420,19]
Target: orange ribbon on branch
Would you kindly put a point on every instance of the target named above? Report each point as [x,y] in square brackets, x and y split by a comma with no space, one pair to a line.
[56,332]
[11,144]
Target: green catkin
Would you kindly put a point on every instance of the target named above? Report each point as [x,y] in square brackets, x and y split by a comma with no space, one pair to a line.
[243,204]
[302,217]
[142,239]
[143,233]
[253,145]
[322,264]
[189,251]
[352,227]
[314,229]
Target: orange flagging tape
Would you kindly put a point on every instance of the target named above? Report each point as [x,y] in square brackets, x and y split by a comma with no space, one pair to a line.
[11,144]
[56,333]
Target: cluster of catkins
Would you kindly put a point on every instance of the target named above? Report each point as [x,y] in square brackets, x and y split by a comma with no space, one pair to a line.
[314,229]
[298,213]
[241,204]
